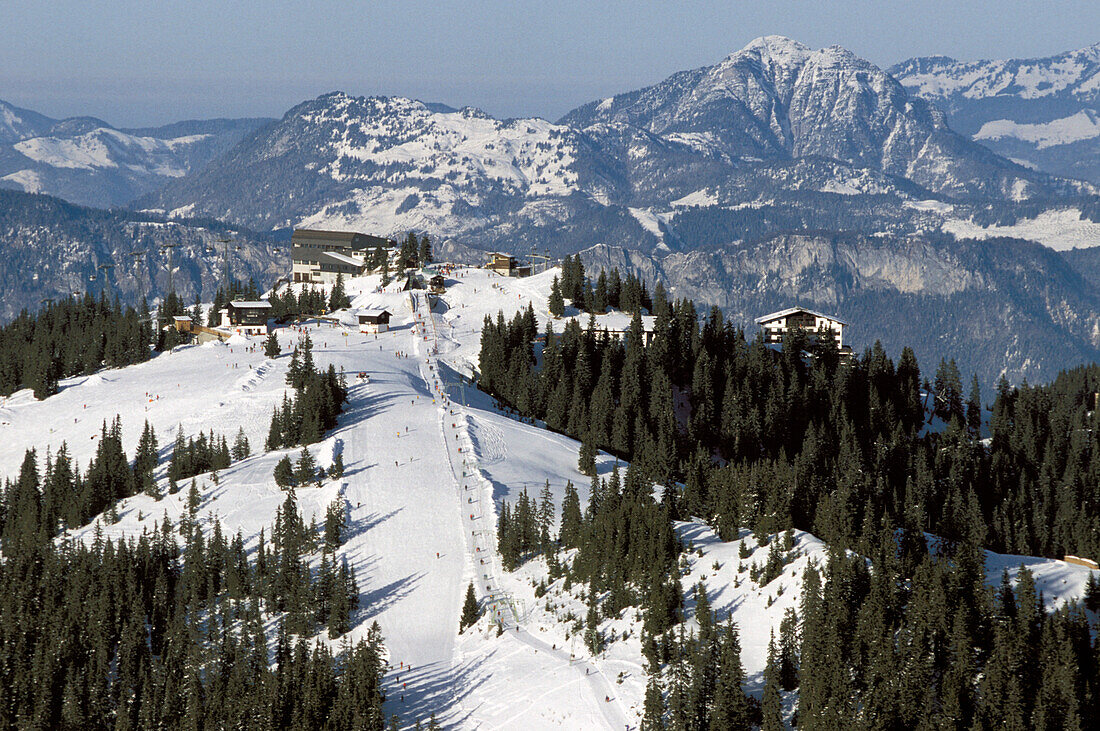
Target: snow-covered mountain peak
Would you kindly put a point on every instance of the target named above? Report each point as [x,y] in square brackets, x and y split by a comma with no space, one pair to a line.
[399,163]
[1038,111]
[17,124]
[776,48]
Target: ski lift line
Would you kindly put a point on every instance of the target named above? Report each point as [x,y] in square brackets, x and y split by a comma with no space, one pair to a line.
[489,579]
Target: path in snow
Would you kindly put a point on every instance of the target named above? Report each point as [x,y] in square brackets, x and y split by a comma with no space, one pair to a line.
[480,517]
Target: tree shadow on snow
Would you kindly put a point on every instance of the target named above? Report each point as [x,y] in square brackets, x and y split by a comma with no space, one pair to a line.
[362,525]
[436,688]
[374,602]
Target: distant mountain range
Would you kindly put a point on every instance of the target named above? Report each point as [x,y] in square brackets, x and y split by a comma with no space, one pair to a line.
[87,161]
[780,175]
[1043,112]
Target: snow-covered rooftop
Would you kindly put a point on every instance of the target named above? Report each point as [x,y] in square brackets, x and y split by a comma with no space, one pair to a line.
[342,258]
[792,310]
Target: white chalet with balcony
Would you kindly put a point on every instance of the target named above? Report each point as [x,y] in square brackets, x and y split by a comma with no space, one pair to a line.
[777,324]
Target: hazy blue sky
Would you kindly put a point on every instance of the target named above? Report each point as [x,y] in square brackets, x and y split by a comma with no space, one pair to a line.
[151,62]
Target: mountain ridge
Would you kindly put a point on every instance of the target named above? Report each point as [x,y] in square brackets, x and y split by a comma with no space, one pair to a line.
[1043,112]
[90,162]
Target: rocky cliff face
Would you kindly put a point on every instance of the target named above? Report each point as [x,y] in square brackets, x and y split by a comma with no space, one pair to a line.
[777,98]
[53,249]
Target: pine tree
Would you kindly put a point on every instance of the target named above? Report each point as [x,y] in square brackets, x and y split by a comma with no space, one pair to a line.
[653,718]
[569,535]
[334,525]
[771,705]
[557,302]
[284,473]
[194,499]
[592,638]
[338,298]
[241,447]
[731,709]
[470,609]
[145,461]
[336,470]
[545,517]
[586,455]
[271,345]
[424,252]
[306,469]
[974,409]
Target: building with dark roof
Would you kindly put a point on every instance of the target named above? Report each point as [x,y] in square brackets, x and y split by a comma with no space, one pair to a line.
[317,257]
[373,321]
[247,318]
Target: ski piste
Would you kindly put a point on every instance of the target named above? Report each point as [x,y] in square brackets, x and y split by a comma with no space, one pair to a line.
[479,508]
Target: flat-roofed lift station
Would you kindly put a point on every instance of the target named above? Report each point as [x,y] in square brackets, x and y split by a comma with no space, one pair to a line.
[317,257]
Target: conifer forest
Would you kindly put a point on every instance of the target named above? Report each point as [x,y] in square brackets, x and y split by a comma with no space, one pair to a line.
[890,633]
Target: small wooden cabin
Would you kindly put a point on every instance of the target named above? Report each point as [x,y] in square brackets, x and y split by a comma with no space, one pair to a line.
[438,284]
[374,321]
[506,264]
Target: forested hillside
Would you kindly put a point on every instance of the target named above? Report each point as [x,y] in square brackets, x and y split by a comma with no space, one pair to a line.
[869,454]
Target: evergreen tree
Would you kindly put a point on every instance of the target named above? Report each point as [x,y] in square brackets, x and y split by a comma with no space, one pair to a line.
[592,637]
[145,461]
[241,447]
[284,473]
[334,525]
[586,456]
[771,705]
[974,409]
[424,251]
[338,298]
[557,302]
[305,471]
[569,534]
[271,346]
[336,470]
[470,609]
[653,718]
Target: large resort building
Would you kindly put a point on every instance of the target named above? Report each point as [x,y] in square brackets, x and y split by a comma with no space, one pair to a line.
[776,325]
[507,265]
[317,257]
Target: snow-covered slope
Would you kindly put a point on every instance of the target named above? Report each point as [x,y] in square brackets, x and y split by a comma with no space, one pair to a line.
[779,98]
[388,164]
[427,463]
[391,164]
